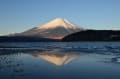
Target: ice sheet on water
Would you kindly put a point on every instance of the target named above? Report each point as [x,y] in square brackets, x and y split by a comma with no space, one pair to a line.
[86,47]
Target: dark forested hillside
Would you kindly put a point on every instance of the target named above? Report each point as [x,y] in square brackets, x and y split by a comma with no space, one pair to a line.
[94,35]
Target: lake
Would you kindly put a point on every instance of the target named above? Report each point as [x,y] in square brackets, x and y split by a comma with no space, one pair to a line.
[60,60]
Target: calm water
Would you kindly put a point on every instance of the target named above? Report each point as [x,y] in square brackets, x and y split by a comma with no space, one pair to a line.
[53,60]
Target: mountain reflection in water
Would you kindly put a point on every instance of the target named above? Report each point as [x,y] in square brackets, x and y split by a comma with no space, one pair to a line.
[56,57]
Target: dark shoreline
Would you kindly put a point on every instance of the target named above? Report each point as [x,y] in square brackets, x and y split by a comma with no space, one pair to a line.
[82,36]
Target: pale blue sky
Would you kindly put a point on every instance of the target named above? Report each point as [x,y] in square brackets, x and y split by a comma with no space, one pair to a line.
[20,15]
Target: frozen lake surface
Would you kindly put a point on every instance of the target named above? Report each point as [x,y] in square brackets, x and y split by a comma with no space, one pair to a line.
[60,60]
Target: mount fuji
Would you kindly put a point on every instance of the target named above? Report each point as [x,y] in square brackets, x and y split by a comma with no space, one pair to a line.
[55,29]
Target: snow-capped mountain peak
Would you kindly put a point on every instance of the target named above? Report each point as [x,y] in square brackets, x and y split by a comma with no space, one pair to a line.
[55,29]
[58,22]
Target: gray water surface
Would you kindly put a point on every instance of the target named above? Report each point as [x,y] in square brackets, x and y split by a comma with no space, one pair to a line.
[60,60]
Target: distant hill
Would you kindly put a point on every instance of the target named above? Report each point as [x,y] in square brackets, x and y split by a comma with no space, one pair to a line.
[94,35]
[55,29]
[24,39]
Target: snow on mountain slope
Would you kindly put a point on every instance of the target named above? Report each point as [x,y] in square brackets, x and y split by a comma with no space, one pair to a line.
[58,23]
[55,29]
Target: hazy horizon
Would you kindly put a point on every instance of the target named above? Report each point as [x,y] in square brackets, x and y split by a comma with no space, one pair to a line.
[20,15]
